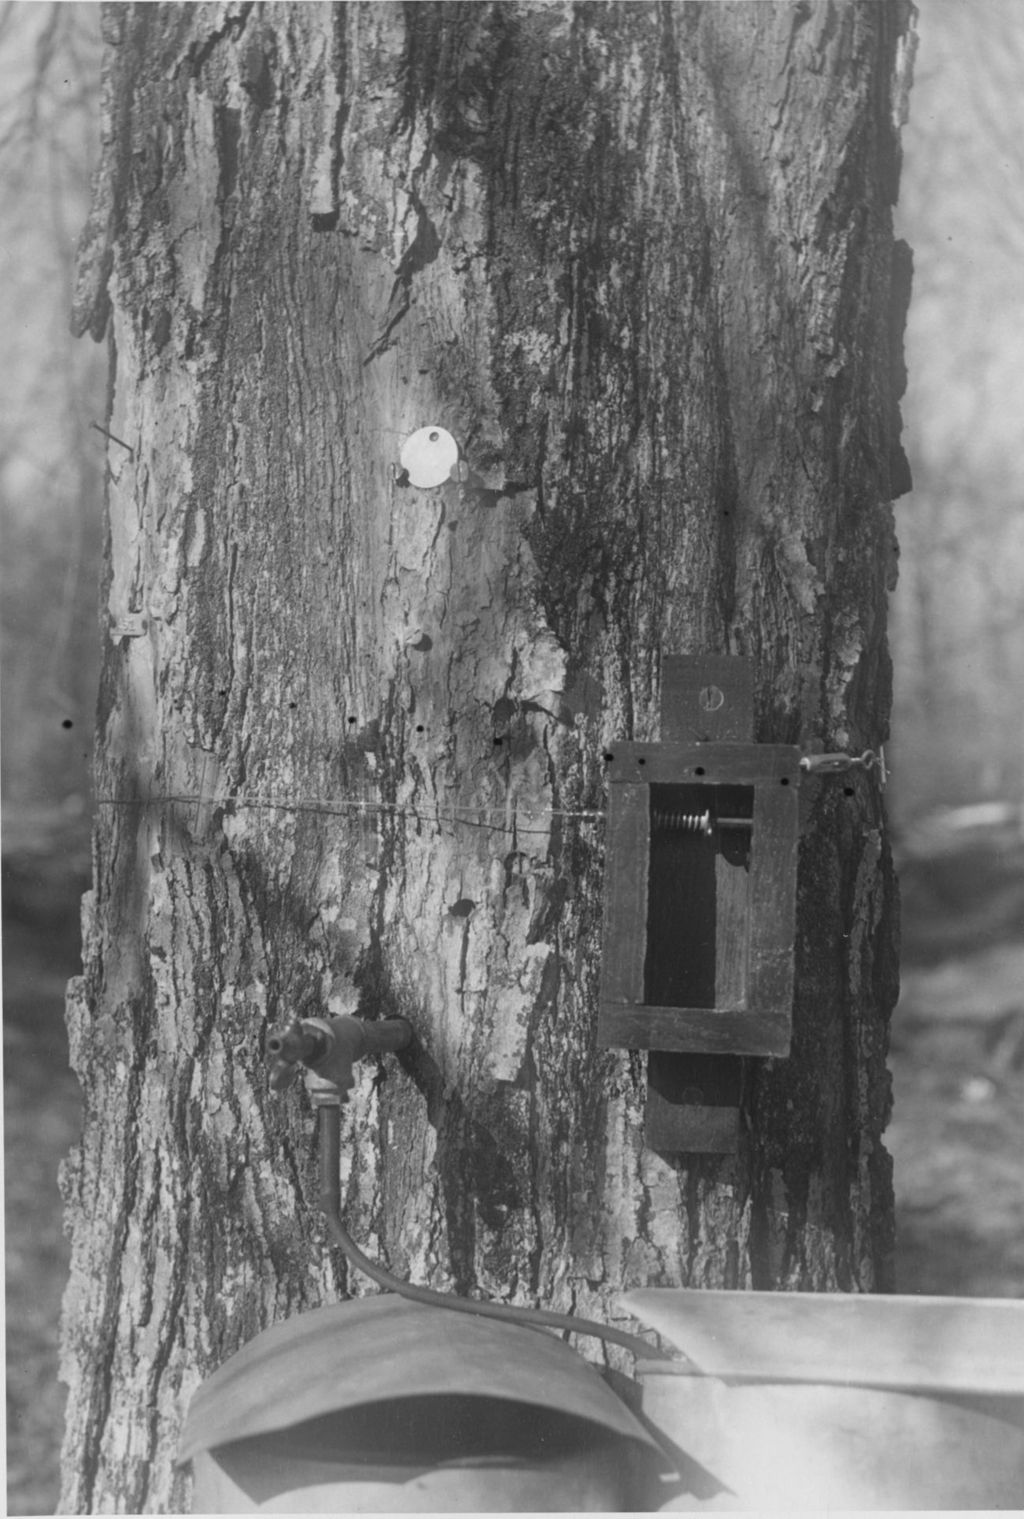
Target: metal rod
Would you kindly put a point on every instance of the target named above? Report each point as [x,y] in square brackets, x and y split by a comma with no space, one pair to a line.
[696,822]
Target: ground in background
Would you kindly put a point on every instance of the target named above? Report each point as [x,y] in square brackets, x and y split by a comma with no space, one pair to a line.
[957,1135]
[41,1123]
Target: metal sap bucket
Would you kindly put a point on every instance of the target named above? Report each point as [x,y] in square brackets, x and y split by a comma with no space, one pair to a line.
[380,1405]
[840,1401]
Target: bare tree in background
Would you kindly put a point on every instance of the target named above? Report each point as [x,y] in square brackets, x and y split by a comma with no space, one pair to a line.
[639,260]
[959,631]
[50,460]
[50,538]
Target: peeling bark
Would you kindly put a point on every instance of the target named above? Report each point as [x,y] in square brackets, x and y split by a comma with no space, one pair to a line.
[639,260]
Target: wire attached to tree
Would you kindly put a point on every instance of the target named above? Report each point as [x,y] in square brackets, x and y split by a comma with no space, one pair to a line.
[465,815]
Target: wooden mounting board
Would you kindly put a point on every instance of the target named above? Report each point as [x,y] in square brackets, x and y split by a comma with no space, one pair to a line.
[693,1101]
[947,1345]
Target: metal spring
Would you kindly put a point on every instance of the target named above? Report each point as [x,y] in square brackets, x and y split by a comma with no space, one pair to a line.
[694,822]
[682,822]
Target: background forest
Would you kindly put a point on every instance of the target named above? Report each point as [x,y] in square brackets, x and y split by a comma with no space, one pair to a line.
[956,793]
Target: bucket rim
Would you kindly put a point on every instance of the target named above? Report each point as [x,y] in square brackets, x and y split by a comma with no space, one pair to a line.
[376,1349]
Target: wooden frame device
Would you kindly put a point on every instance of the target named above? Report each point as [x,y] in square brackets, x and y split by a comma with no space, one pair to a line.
[700,895]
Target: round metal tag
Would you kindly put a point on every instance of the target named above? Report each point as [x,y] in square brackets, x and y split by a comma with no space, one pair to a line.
[428,456]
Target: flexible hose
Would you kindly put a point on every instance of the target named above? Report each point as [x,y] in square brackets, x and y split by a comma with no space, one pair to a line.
[534,1318]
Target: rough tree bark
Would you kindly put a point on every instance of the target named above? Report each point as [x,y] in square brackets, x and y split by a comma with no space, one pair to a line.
[639,260]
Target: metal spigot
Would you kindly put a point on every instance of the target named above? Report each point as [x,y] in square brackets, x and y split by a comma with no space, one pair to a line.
[289,1046]
[330,1047]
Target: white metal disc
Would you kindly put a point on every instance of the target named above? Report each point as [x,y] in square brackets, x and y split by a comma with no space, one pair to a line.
[428,456]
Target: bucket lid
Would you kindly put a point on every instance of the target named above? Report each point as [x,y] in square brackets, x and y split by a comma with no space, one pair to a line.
[926,1344]
[377,1349]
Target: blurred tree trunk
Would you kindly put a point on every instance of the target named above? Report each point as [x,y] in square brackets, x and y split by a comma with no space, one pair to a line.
[638,260]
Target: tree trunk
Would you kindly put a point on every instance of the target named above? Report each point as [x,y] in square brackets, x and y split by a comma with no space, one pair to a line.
[638,260]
